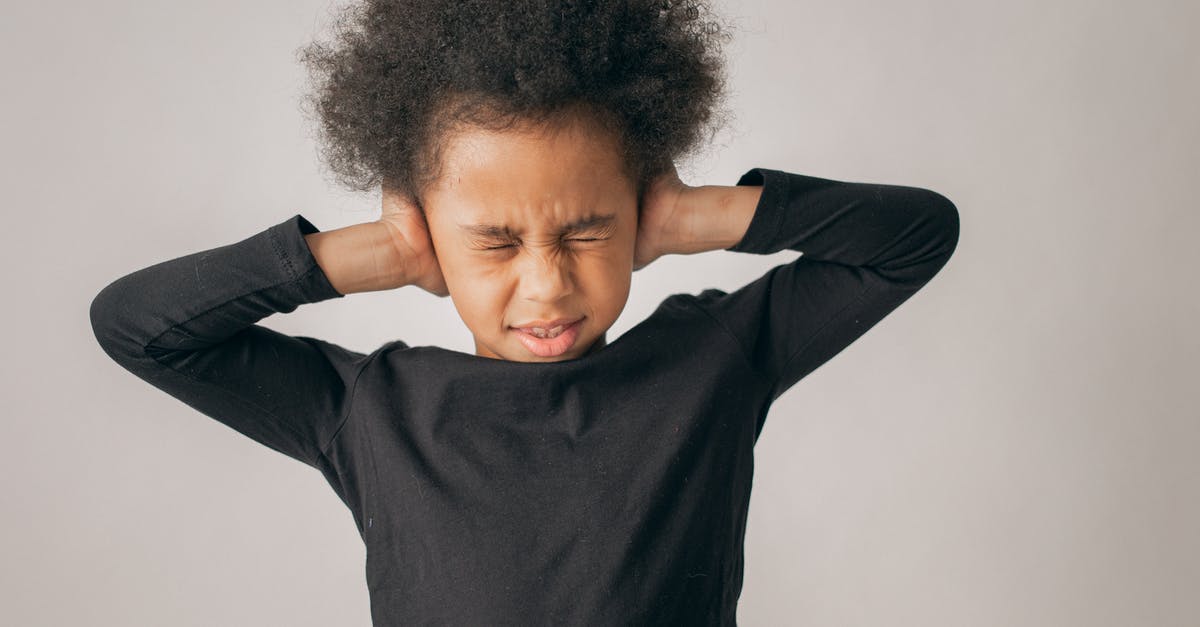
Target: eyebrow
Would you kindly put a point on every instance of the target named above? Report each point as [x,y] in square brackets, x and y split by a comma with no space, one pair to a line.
[501,231]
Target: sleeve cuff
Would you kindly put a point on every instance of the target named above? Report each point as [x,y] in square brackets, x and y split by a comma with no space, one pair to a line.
[763,230]
[297,260]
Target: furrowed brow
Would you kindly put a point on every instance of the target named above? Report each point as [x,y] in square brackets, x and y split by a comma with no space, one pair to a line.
[589,223]
[498,231]
[487,231]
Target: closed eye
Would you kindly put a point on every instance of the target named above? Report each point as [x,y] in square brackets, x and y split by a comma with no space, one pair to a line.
[574,239]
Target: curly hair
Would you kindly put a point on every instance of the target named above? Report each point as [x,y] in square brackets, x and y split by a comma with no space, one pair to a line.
[400,74]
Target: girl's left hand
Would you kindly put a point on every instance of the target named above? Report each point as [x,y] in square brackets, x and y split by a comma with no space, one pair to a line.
[660,218]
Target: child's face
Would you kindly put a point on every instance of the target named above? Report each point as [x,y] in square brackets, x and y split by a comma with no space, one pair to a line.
[541,269]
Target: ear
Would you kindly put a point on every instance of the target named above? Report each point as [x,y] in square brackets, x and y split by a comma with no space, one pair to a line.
[643,185]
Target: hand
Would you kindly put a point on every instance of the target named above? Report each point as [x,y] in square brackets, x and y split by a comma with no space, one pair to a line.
[660,218]
[410,236]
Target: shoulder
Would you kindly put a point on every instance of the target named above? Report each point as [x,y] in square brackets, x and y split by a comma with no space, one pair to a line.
[691,311]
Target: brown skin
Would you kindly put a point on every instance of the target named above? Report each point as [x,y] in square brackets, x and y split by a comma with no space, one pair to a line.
[534,182]
[411,243]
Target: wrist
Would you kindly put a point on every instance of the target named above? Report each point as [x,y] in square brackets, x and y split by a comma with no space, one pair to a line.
[358,258]
[717,216]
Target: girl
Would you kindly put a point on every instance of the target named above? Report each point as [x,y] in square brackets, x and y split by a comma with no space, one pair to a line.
[526,149]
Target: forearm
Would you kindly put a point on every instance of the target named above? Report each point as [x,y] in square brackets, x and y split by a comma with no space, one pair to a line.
[178,307]
[359,258]
[716,217]
[907,232]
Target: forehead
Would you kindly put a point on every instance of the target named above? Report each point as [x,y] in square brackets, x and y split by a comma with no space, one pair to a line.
[553,177]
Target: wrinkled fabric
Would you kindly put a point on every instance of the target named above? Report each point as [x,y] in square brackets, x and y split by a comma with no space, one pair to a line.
[610,489]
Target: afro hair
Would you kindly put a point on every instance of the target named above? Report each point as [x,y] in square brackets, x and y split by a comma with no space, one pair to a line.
[399,74]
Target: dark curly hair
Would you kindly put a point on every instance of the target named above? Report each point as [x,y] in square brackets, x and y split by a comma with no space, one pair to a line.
[399,74]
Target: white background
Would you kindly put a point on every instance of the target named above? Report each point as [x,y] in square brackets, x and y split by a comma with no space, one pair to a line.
[1016,445]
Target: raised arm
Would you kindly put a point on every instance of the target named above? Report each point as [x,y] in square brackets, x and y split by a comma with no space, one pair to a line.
[187,327]
[866,247]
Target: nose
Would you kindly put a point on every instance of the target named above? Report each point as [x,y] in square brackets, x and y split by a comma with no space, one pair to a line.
[544,277]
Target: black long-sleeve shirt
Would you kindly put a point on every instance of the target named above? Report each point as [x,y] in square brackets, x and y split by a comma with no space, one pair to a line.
[610,489]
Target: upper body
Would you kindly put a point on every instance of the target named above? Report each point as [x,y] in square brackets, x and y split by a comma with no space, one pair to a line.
[527,175]
[608,487]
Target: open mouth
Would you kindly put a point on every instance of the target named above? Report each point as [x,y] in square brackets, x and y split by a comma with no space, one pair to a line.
[549,342]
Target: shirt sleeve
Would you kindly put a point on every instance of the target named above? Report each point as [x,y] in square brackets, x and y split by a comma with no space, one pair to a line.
[187,327]
[866,248]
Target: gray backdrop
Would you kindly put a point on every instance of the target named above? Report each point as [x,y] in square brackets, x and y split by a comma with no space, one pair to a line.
[1016,445]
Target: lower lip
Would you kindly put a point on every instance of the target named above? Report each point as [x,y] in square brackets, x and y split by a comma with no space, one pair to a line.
[551,347]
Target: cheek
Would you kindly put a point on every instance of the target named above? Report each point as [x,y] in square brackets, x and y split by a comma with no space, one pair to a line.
[483,298]
[477,294]
[608,282]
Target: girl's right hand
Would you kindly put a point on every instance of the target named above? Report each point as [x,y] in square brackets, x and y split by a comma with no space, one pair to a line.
[410,237]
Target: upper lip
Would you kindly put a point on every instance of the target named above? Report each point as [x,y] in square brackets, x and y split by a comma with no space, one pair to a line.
[546,324]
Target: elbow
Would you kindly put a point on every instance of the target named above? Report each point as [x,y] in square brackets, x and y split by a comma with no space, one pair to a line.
[107,314]
[948,224]
[101,314]
[931,240]
[943,228]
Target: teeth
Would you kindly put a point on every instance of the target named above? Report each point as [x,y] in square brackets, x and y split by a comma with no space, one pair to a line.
[543,333]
